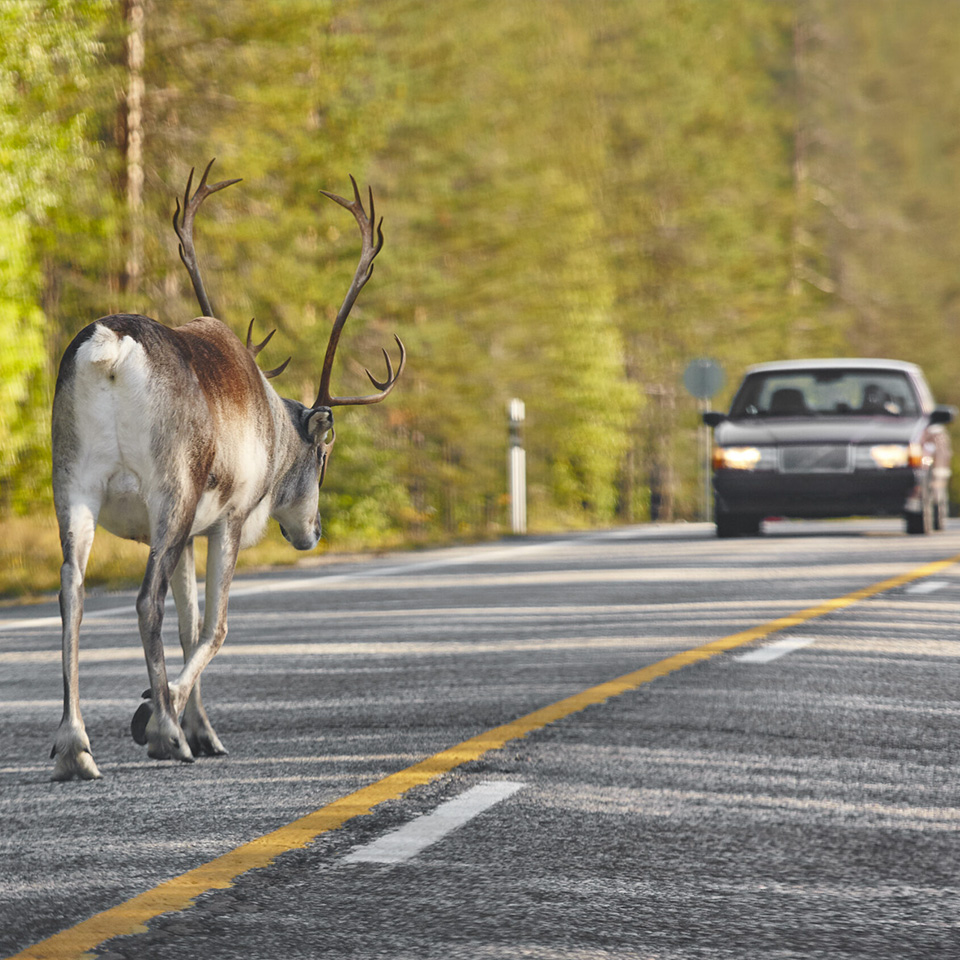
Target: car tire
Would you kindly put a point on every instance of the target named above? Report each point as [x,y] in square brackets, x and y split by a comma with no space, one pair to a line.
[922,521]
[737,525]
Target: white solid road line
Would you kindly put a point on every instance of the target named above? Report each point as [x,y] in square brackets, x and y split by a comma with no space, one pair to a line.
[407,841]
[771,651]
[253,586]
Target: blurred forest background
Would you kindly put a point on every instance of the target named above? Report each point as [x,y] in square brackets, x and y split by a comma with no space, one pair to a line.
[580,196]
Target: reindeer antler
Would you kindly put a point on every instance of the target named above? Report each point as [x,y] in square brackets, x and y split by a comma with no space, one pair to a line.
[369,249]
[184,230]
[255,349]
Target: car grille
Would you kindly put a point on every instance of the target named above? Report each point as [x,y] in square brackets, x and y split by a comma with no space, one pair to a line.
[815,458]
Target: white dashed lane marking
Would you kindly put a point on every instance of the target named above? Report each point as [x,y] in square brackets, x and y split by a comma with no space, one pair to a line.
[771,651]
[413,837]
[927,586]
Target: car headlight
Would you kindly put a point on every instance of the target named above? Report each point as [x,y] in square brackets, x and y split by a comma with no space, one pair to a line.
[887,456]
[890,456]
[744,458]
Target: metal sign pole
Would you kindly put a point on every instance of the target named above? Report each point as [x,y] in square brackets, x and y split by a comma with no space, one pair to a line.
[707,501]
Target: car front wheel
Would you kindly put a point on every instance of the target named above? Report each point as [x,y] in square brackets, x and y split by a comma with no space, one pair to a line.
[736,525]
[922,521]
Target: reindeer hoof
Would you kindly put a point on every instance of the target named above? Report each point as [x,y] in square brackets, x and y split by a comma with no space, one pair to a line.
[206,746]
[175,751]
[138,726]
[74,760]
[79,767]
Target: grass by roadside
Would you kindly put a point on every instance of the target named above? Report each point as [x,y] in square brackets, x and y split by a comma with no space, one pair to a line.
[30,558]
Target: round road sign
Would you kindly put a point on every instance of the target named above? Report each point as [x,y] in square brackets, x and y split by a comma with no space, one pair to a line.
[703,377]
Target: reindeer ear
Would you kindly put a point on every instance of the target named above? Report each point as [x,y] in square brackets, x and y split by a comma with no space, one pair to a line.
[319,422]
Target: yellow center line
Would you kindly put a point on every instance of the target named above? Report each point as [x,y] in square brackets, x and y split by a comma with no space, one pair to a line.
[180,892]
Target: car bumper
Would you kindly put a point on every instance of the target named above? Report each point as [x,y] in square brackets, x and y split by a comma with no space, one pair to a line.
[859,493]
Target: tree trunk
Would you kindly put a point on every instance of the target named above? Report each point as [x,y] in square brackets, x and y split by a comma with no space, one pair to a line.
[133,146]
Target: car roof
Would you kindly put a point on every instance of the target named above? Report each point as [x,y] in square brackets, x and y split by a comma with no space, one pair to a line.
[849,363]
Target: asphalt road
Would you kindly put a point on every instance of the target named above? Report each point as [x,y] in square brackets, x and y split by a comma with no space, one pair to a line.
[798,802]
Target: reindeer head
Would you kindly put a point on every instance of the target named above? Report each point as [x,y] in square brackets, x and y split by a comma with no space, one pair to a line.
[296,492]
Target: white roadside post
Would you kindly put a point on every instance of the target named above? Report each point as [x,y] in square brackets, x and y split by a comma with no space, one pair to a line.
[517,468]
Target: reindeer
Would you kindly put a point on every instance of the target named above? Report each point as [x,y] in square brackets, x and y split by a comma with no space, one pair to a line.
[165,434]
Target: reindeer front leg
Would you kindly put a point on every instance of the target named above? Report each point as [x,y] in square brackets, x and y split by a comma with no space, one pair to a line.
[155,723]
[223,547]
[194,722]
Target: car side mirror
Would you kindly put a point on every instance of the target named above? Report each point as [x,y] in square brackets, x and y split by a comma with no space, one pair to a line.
[943,414]
[712,418]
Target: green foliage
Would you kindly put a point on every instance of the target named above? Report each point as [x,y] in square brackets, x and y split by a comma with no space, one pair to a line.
[578,199]
[46,51]
[507,275]
[374,509]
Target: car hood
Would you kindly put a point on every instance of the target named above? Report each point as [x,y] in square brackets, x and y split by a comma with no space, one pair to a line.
[791,430]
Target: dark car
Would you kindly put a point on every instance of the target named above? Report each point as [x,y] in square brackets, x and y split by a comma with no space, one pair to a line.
[831,438]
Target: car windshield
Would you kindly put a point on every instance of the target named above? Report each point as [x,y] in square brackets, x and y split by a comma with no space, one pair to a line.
[826,392]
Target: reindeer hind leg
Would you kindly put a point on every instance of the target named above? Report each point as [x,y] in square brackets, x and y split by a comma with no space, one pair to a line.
[71,748]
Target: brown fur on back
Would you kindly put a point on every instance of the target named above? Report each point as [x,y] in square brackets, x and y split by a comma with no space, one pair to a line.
[226,371]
